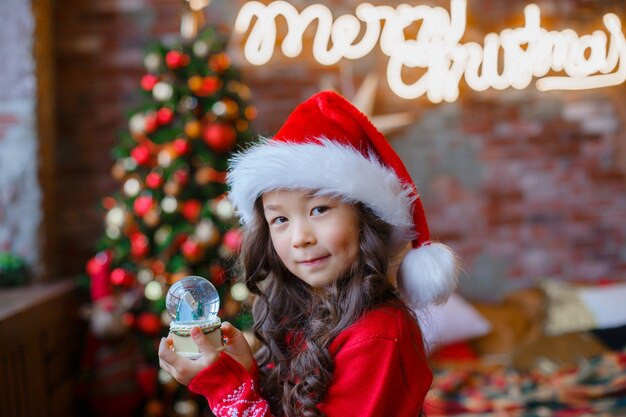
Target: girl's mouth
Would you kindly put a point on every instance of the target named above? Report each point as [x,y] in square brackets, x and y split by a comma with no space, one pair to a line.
[314,261]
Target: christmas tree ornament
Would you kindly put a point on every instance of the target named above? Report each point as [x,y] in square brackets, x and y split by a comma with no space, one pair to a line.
[191,210]
[187,104]
[164,116]
[153,217]
[143,204]
[116,217]
[169,204]
[224,209]
[113,232]
[208,86]
[172,188]
[148,81]
[219,62]
[122,277]
[141,154]
[181,146]
[219,136]
[219,108]
[137,123]
[218,274]
[162,91]
[144,276]
[193,129]
[165,156]
[232,240]
[154,291]
[242,125]
[152,62]
[163,234]
[194,83]
[186,408]
[175,60]
[129,164]
[151,122]
[206,233]
[148,323]
[193,301]
[201,48]
[239,292]
[131,187]
[191,250]
[154,180]
[139,245]
[181,176]
[117,171]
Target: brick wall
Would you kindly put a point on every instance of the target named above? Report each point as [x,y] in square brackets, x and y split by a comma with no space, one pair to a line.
[523,185]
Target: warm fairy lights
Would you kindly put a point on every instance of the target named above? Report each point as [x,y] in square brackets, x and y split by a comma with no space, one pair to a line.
[559,60]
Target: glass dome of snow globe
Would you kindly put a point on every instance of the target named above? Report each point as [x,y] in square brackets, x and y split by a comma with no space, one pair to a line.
[193,301]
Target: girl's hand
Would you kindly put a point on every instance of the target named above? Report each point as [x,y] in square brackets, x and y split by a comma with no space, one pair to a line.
[237,346]
[185,369]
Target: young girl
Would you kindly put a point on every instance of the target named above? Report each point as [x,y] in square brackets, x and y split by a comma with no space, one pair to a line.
[325,205]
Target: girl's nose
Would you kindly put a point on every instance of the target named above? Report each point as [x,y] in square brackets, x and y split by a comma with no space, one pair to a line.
[303,234]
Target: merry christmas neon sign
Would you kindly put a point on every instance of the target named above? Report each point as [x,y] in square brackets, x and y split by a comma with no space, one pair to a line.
[511,58]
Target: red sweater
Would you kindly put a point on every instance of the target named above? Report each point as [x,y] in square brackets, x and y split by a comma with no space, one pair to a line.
[380,370]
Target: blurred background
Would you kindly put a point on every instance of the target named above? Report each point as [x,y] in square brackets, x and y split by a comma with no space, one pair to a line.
[527,186]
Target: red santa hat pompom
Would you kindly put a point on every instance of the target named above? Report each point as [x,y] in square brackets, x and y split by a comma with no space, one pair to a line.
[328,145]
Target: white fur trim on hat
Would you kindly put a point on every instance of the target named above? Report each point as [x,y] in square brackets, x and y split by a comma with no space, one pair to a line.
[327,167]
[428,275]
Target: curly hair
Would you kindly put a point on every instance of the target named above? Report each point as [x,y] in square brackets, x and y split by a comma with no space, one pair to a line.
[296,323]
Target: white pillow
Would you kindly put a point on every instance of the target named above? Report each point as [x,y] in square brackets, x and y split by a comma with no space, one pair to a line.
[454,321]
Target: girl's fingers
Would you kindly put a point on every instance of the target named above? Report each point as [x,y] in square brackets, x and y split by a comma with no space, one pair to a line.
[166,353]
[204,345]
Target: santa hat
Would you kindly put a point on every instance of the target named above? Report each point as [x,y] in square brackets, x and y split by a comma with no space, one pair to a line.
[328,145]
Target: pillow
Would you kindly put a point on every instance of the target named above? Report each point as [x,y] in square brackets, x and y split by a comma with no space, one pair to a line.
[574,308]
[455,321]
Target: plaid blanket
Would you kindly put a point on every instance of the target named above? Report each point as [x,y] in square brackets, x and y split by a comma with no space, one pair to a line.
[594,388]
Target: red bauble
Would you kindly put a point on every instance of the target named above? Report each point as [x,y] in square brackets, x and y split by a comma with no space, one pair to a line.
[181,176]
[148,81]
[191,210]
[219,136]
[143,204]
[208,86]
[191,250]
[149,323]
[218,274]
[151,122]
[122,278]
[165,115]
[181,146]
[141,154]
[139,245]
[232,240]
[154,180]
[176,59]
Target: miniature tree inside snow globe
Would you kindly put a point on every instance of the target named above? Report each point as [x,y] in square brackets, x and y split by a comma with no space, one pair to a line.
[193,301]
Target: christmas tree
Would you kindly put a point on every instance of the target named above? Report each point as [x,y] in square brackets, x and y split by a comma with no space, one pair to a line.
[170,219]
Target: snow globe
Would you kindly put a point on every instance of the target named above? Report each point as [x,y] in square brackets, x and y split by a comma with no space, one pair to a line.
[193,301]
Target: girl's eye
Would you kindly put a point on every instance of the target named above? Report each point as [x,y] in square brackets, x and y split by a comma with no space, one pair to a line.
[319,210]
[279,220]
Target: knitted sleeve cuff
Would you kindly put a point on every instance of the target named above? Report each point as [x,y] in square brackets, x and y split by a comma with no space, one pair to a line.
[220,379]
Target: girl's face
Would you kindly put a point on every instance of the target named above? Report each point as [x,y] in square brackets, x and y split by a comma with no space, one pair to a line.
[316,237]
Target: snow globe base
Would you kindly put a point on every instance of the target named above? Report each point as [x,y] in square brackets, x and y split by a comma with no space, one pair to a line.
[183,343]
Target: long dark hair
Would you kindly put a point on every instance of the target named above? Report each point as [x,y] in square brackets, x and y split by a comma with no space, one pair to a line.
[296,323]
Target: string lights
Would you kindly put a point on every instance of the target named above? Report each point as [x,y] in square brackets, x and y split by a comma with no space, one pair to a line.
[559,60]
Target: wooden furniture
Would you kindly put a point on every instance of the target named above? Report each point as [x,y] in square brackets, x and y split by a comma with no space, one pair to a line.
[40,349]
